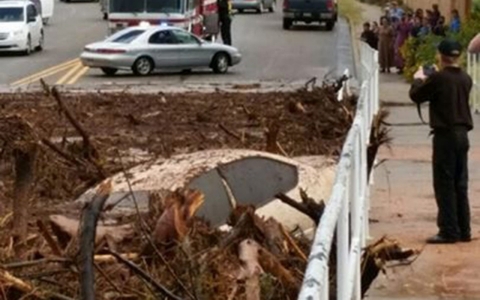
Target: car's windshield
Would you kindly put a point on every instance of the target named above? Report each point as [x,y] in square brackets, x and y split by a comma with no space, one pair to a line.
[127,37]
[11,14]
[149,6]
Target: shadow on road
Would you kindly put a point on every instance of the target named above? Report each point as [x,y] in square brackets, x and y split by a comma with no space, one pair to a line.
[162,73]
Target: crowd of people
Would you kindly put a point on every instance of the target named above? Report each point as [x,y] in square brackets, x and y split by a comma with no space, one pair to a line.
[397,25]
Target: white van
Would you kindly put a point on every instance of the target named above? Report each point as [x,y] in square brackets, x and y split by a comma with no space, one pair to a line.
[45,8]
[21,27]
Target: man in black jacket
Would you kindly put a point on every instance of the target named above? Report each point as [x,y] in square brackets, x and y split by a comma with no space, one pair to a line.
[448,91]
[225,18]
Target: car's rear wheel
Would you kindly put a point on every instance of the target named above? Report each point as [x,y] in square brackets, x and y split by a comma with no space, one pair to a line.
[28,50]
[143,66]
[287,23]
[240,11]
[330,25]
[41,42]
[109,71]
[220,63]
[260,8]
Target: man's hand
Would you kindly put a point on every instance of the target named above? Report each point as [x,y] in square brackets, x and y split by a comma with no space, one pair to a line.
[420,74]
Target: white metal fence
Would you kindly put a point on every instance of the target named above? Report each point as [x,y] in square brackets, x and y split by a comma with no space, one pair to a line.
[473,68]
[347,209]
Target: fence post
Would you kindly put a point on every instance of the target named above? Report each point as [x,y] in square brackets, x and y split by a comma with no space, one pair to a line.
[342,244]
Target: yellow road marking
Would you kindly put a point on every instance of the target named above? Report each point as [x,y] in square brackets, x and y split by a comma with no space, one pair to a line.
[69,74]
[78,75]
[45,73]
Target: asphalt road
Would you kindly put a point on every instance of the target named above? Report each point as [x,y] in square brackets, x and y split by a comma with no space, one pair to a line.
[269,52]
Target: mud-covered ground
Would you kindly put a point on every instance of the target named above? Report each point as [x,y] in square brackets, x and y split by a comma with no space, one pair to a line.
[308,122]
[74,141]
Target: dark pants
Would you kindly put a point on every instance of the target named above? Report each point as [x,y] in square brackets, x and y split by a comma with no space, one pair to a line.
[450,181]
[225,28]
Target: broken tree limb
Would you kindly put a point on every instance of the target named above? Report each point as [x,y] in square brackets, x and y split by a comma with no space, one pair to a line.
[26,288]
[66,228]
[230,133]
[88,147]
[88,226]
[250,269]
[50,241]
[377,255]
[293,244]
[270,264]
[172,225]
[160,288]
[62,153]
[24,180]
[29,291]
[310,208]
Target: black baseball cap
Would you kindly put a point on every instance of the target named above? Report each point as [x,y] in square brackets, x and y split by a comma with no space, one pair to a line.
[449,47]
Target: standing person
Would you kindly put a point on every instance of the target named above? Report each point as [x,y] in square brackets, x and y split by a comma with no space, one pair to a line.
[369,37]
[425,28]
[403,31]
[416,27]
[396,12]
[225,18]
[455,23]
[376,30]
[385,45]
[440,29]
[450,119]
[419,13]
[435,15]
[429,18]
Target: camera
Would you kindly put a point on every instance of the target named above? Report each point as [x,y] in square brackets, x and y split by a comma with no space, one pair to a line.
[429,70]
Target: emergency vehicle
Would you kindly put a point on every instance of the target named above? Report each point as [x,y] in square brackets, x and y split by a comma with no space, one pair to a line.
[197,16]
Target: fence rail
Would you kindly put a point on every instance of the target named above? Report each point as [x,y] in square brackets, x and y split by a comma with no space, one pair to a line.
[473,69]
[348,206]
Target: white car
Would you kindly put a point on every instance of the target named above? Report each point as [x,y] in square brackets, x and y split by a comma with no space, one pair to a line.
[21,27]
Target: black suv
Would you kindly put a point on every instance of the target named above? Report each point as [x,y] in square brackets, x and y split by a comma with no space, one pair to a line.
[308,11]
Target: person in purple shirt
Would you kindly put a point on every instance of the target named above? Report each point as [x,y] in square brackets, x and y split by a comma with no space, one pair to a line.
[404,28]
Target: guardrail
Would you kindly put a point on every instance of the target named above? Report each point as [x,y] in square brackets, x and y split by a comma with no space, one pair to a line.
[348,207]
[473,69]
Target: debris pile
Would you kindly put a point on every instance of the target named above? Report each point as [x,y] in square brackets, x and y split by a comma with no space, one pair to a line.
[65,252]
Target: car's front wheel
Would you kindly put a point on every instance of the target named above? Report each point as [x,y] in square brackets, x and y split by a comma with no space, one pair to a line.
[28,49]
[109,71]
[143,66]
[220,63]
[41,42]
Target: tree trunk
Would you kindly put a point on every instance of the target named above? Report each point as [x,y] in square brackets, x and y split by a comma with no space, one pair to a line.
[24,179]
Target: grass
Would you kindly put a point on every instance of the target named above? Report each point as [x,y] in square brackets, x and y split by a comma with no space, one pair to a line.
[350,10]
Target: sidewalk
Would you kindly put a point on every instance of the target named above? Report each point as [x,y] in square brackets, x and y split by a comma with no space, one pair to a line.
[403,205]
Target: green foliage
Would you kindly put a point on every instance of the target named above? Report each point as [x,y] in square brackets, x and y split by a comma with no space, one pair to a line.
[418,52]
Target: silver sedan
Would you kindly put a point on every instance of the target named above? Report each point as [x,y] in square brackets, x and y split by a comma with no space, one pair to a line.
[143,49]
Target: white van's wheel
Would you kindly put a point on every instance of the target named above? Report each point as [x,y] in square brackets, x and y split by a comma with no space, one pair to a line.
[41,42]
[28,49]
[45,21]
